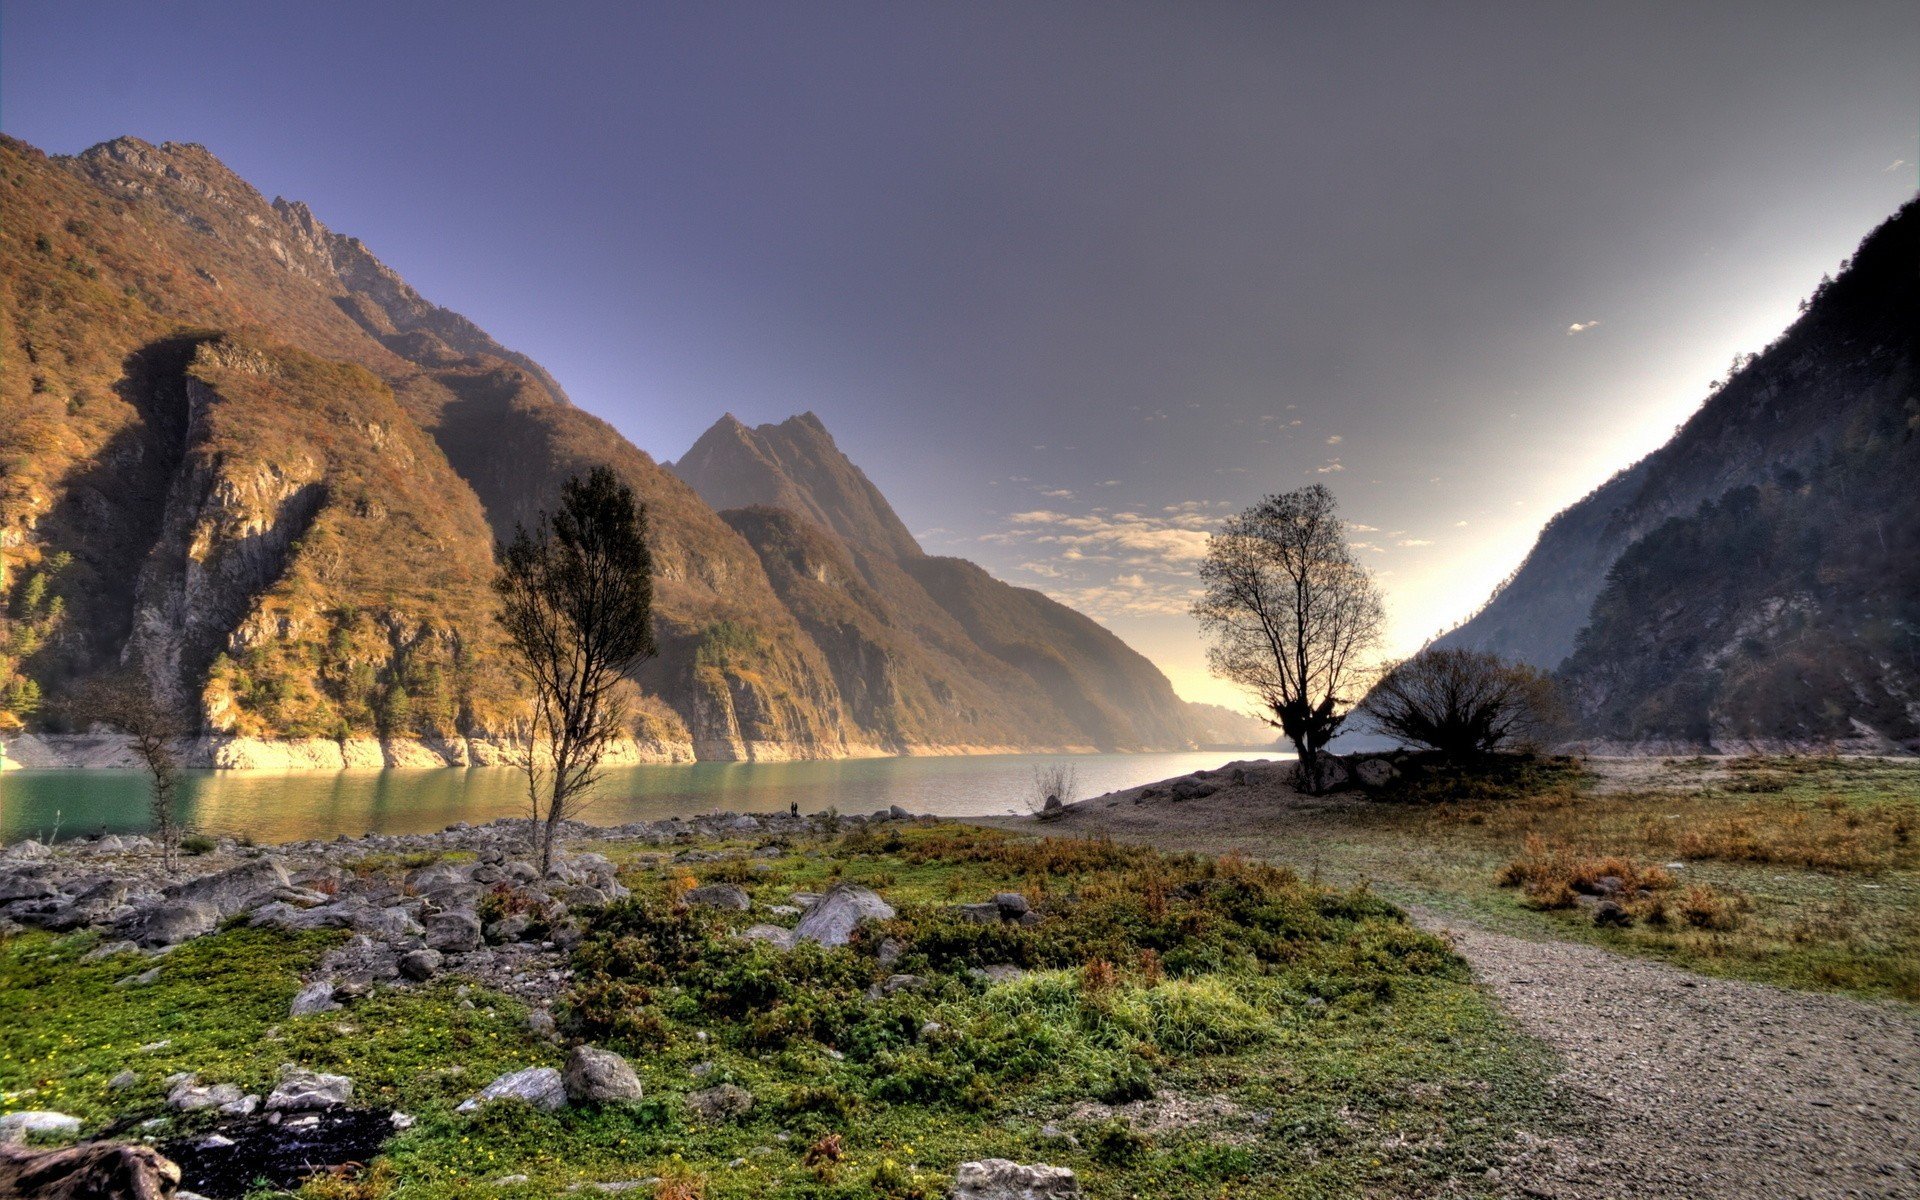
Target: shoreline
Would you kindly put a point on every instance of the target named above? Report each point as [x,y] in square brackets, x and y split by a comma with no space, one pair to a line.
[219,752]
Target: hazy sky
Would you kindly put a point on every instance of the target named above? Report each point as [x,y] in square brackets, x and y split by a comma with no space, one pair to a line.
[1071,280]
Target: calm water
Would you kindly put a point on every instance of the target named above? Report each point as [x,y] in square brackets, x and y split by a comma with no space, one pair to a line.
[279,807]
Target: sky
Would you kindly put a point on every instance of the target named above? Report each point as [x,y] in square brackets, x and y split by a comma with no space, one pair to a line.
[1072,281]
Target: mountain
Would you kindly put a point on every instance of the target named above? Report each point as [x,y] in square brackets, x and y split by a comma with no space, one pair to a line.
[1756,581]
[848,568]
[241,451]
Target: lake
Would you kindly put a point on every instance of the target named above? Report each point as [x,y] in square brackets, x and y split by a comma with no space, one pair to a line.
[280,807]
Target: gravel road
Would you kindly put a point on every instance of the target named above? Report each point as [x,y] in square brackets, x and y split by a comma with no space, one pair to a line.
[1685,1086]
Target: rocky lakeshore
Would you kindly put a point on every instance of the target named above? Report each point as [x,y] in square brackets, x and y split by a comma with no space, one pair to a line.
[718,1006]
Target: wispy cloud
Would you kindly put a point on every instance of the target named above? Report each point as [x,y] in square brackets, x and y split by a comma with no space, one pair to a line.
[1335,440]
[1332,465]
[1581,327]
[1058,493]
[1895,165]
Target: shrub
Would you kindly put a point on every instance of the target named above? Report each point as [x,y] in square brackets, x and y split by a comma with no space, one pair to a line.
[1117,1144]
[198,843]
[1463,703]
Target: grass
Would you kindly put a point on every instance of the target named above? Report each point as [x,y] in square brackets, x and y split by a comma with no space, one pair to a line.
[1801,872]
[1324,1046]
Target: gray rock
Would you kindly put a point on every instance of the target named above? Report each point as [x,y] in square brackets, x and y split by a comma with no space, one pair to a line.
[171,924]
[188,1095]
[722,1102]
[1374,772]
[997,973]
[108,950]
[722,896]
[1002,1179]
[14,1127]
[542,1087]
[234,890]
[979,914]
[124,1080]
[840,911]
[453,932]
[1012,905]
[29,883]
[780,937]
[301,1090]
[316,997]
[420,965]
[540,1023]
[596,1076]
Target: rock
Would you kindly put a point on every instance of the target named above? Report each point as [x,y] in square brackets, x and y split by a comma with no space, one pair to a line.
[171,924]
[124,1080]
[187,1095]
[510,928]
[1188,789]
[542,1087]
[1610,913]
[316,997]
[14,1127]
[420,965]
[596,1076]
[722,1102]
[453,932]
[540,1022]
[108,950]
[301,1090]
[997,973]
[1374,772]
[26,851]
[1002,1179]
[96,1171]
[979,914]
[1011,904]
[1052,805]
[29,883]
[840,911]
[780,937]
[722,896]
[898,813]
[234,890]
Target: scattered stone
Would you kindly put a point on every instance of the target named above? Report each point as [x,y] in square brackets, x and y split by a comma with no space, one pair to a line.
[542,1087]
[596,1076]
[188,1095]
[722,1102]
[316,997]
[124,1080]
[420,965]
[15,1127]
[301,1090]
[723,896]
[843,908]
[1002,1179]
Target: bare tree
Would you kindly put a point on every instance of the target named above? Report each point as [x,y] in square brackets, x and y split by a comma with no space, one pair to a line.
[1054,787]
[576,601]
[126,702]
[1290,614]
[1463,703]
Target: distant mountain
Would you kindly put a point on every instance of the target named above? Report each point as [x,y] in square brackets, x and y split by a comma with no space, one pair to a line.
[867,581]
[1755,581]
[241,450]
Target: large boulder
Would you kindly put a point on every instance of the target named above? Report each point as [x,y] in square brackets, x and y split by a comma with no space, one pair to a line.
[301,1090]
[15,1127]
[316,997]
[453,932]
[96,1171]
[234,890]
[839,912]
[542,1087]
[596,1076]
[1002,1179]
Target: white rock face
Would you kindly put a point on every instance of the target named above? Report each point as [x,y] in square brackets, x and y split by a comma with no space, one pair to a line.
[1002,1179]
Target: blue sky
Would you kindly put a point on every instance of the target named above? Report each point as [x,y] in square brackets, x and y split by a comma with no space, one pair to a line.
[1072,280]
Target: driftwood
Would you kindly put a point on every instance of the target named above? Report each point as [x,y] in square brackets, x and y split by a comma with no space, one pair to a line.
[95,1171]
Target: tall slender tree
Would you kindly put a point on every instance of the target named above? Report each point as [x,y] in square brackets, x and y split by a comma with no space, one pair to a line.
[125,701]
[576,601]
[1291,615]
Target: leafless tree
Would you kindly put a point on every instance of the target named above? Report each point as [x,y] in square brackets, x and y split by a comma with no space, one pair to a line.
[576,601]
[125,701]
[1291,614]
[1054,787]
[1463,702]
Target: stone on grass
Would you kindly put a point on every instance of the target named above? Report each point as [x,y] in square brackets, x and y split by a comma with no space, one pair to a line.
[453,932]
[1012,905]
[722,1102]
[171,924]
[596,1076]
[301,1090]
[188,1095]
[722,896]
[1003,1179]
[15,1127]
[839,912]
[316,997]
[542,1087]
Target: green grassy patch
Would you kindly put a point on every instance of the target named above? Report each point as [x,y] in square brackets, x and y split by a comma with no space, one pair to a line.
[1185,1027]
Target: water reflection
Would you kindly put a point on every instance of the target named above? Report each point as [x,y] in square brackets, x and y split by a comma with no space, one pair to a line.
[286,806]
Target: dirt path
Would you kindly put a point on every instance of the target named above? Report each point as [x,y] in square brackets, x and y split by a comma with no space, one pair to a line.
[1684,1085]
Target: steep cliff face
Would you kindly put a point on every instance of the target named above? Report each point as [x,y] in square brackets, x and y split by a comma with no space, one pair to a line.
[1754,581]
[241,450]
